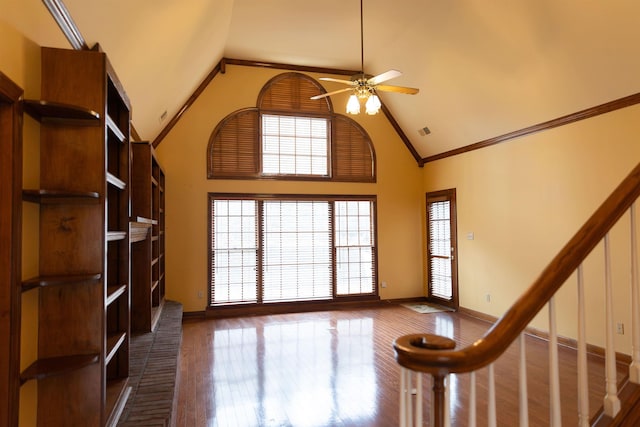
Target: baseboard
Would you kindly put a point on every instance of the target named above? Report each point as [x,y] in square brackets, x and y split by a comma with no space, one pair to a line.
[193,315]
[288,307]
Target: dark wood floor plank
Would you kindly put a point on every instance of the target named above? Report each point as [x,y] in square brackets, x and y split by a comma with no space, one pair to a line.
[337,368]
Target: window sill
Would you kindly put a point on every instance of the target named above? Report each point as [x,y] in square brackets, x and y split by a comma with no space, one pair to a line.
[240,310]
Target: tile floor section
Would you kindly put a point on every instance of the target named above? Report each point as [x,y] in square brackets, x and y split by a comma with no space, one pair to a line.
[153,366]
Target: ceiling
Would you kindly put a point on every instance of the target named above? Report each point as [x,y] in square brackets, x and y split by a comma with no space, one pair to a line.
[483,68]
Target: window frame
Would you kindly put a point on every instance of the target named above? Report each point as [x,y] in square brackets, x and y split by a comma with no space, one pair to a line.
[294,176]
[211,197]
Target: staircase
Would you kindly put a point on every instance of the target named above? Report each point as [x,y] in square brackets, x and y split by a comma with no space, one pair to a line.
[437,357]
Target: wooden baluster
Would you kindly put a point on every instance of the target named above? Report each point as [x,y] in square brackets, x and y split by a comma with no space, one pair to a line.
[491,410]
[524,401]
[583,375]
[634,368]
[439,400]
[611,401]
[472,399]
[554,372]
[447,399]
[403,397]
[410,376]
[418,399]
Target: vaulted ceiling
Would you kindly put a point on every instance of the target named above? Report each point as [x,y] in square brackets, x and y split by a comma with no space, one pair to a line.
[484,68]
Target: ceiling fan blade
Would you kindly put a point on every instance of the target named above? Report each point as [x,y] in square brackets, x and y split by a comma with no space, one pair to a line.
[388,75]
[399,89]
[346,82]
[324,95]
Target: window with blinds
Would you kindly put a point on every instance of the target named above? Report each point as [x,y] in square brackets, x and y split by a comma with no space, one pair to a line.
[234,251]
[294,145]
[354,247]
[269,249]
[296,252]
[289,136]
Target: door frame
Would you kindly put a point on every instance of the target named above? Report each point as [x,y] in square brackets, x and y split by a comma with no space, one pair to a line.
[10,251]
[450,195]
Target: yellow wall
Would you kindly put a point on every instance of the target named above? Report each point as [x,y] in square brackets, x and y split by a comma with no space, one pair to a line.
[183,156]
[20,61]
[524,199]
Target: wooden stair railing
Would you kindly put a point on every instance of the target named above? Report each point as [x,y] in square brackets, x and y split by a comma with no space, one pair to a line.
[414,356]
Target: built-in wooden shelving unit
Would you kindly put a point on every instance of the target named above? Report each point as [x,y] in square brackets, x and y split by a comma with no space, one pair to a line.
[147,253]
[84,291]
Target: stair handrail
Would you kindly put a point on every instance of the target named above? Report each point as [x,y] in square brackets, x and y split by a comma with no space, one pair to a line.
[414,353]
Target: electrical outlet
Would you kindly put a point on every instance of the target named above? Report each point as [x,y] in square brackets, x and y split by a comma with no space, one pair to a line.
[620,328]
[488,297]
[199,294]
[383,284]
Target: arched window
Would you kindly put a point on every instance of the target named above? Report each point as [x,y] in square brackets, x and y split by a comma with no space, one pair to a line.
[289,136]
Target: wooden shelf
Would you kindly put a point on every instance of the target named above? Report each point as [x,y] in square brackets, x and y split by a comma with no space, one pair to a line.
[116,235]
[61,114]
[138,231]
[155,313]
[146,220]
[114,341]
[44,368]
[114,292]
[59,197]
[115,181]
[47,281]
[111,125]
[154,285]
[117,393]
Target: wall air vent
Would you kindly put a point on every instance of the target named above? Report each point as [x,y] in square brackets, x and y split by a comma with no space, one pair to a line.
[424,131]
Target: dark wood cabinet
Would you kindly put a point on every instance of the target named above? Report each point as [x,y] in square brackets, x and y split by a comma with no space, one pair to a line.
[147,250]
[84,258]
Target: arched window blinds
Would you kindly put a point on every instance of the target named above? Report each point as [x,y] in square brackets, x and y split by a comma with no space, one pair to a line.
[235,146]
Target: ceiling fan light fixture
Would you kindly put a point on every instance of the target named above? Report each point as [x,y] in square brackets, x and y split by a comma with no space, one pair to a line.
[353,105]
[373,105]
[363,86]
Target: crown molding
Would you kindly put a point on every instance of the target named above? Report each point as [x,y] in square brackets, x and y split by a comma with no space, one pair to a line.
[607,107]
[220,67]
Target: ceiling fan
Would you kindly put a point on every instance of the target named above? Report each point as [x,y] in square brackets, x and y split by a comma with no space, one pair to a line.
[364,86]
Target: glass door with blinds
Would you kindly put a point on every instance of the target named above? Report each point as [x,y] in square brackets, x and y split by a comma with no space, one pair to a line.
[442,260]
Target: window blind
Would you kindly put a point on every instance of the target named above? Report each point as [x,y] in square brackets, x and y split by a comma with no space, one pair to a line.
[233,251]
[352,158]
[440,250]
[294,145]
[354,247]
[233,149]
[296,256]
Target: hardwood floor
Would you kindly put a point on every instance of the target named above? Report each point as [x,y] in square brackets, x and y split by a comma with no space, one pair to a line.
[337,368]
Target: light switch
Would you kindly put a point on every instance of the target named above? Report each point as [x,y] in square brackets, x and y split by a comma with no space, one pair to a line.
[470,235]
